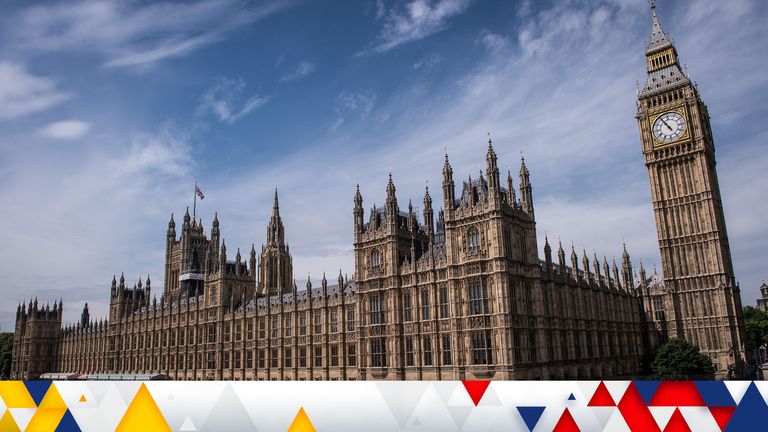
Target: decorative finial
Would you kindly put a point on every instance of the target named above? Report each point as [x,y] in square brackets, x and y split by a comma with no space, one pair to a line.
[652,4]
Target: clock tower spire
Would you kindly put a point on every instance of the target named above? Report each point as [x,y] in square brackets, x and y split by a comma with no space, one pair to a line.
[699,296]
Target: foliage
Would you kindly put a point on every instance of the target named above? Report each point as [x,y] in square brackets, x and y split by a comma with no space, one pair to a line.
[678,359]
[6,346]
[755,327]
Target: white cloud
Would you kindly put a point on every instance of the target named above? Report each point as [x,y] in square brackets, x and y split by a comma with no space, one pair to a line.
[22,93]
[222,99]
[428,63]
[303,69]
[67,129]
[357,104]
[416,20]
[491,41]
[129,33]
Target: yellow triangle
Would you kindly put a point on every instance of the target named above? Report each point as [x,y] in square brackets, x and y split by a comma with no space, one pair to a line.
[52,399]
[46,419]
[8,424]
[83,399]
[143,414]
[15,395]
[301,423]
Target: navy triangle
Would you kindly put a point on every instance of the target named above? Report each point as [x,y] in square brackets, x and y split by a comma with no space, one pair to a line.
[571,397]
[751,414]
[531,415]
[68,423]
[37,389]
[647,389]
[715,393]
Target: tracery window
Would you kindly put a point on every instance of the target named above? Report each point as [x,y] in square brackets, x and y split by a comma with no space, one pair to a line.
[375,259]
[473,239]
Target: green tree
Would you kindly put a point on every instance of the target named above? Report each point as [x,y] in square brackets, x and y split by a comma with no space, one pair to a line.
[678,359]
[755,327]
[6,347]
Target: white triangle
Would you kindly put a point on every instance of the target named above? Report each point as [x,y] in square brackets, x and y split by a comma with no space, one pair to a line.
[616,389]
[188,425]
[602,414]
[489,398]
[22,416]
[588,388]
[2,406]
[459,414]
[402,397]
[699,419]
[737,389]
[662,414]
[762,387]
[445,389]
[617,423]
[460,397]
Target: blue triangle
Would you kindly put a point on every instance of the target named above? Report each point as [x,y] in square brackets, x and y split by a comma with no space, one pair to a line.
[37,389]
[715,393]
[751,414]
[646,389]
[571,397]
[531,415]
[68,423]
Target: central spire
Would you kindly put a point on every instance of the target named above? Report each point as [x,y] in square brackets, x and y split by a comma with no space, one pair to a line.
[659,38]
[276,207]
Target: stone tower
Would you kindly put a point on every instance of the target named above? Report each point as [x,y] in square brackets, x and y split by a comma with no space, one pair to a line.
[701,299]
[275,265]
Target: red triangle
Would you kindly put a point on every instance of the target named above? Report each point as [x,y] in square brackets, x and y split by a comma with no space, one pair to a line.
[601,398]
[677,423]
[722,415]
[566,423]
[476,389]
[635,412]
[677,393]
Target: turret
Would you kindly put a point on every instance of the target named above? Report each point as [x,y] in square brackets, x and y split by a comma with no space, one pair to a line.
[358,211]
[340,280]
[324,286]
[392,208]
[187,220]
[626,270]
[238,264]
[548,255]
[429,216]
[511,196]
[223,257]
[561,256]
[252,261]
[574,264]
[215,230]
[585,263]
[526,190]
[492,170]
[449,192]
[85,317]
[171,229]
[643,276]
[616,279]
[596,265]
[113,288]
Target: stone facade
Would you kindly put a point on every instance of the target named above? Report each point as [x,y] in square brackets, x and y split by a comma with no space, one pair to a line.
[464,295]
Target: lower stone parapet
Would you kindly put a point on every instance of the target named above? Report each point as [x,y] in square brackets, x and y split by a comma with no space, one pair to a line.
[373,406]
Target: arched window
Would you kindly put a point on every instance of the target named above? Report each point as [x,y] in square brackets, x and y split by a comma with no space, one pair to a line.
[473,238]
[375,258]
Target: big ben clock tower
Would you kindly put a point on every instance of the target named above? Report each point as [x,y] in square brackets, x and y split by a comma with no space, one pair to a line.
[699,296]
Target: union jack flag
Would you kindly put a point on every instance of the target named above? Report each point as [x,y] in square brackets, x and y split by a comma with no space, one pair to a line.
[199,192]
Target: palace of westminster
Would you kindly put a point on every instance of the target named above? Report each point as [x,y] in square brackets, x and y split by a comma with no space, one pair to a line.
[462,294]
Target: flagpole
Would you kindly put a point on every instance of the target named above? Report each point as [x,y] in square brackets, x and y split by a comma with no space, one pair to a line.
[194,203]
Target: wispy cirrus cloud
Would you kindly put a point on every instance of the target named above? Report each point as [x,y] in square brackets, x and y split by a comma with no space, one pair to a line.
[66,129]
[129,33]
[357,104]
[224,100]
[303,69]
[23,93]
[415,20]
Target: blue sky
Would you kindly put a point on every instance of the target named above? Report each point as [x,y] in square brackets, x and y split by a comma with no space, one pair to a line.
[110,110]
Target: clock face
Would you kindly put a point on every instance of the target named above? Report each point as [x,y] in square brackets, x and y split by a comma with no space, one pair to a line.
[669,127]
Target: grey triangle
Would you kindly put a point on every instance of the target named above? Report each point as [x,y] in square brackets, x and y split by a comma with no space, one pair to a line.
[459,414]
[98,390]
[490,398]
[170,396]
[228,414]
[187,425]
[128,390]
[603,414]
[402,397]
[445,389]
[416,422]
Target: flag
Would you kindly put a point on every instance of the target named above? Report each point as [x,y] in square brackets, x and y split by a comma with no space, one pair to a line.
[199,192]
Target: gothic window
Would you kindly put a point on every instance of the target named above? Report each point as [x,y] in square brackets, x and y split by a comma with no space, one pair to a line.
[211,333]
[444,310]
[302,324]
[262,327]
[249,330]
[249,359]
[409,351]
[446,350]
[303,357]
[424,305]
[378,352]
[211,360]
[288,357]
[375,259]
[238,332]
[274,326]
[318,322]
[473,240]
[350,319]
[273,357]
[225,360]
[227,334]
[407,307]
[318,356]
[427,351]
[478,297]
[334,320]
[376,308]
[352,354]
[238,360]
[481,347]
[288,326]
[334,355]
